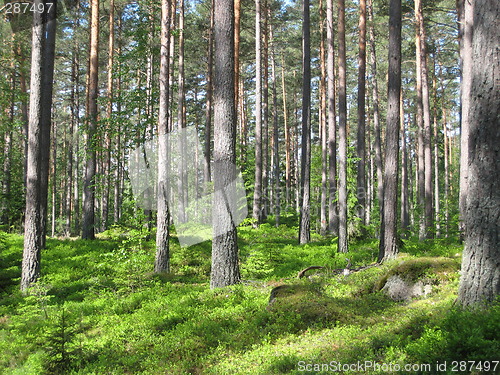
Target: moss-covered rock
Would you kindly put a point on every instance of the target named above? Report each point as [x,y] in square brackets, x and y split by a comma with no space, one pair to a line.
[416,277]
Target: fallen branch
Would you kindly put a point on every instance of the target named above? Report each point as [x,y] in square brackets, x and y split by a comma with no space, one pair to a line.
[302,273]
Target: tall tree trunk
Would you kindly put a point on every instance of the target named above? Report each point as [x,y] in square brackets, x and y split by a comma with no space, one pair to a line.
[333,219]
[428,215]
[275,155]
[343,237]
[360,146]
[480,278]
[208,119]
[305,160]
[420,127]
[109,113]
[288,145]
[43,48]
[237,32]
[88,228]
[322,122]
[376,116]
[437,212]
[118,168]
[225,268]
[257,197]
[162,259]
[265,113]
[48,79]
[466,19]
[389,238]
[7,154]
[182,188]
[405,218]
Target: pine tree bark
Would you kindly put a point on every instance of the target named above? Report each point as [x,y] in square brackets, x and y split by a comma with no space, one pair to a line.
[480,279]
[43,49]
[323,123]
[225,268]
[275,147]
[88,224]
[48,78]
[333,219]
[376,115]
[466,31]
[428,208]
[305,162]
[162,258]
[361,143]
[389,238]
[343,237]
[109,114]
[257,197]
[182,190]
[207,175]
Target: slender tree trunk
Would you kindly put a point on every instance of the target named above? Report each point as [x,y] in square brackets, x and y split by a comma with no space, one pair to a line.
[208,119]
[480,275]
[237,32]
[162,259]
[109,113]
[275,154]
[343,238]
[428,214]
[361,144]
[305,161]
[376,117]
[405,218]
[420,127]
[118,167]
[7,154]
[257,197]
[182,190]
[225,268]
[333,218]
[389,238]
[437,208]
[466,19]
[323,123]
[88,228]
[288,146]
[265,113]
[54,180]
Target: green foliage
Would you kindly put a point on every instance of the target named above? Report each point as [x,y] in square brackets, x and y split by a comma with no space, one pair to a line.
[99,309]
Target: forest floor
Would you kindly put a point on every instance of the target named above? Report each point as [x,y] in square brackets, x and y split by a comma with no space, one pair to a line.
[99,309]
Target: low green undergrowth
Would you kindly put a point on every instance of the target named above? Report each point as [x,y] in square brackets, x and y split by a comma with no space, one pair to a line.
[99,309]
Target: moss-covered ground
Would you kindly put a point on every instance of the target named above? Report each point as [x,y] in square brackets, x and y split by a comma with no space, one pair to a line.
[99,309]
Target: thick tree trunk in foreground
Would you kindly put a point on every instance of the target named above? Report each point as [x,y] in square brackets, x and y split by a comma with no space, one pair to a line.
[389,237]
[225,267]
[162,259]
[305,162]
[480,280]
[43,45]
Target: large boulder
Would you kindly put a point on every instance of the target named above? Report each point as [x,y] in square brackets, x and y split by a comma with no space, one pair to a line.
[416,277]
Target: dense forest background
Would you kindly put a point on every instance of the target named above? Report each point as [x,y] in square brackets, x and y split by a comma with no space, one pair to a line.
[355,126]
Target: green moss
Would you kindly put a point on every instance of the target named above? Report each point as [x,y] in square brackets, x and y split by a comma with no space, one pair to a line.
[430,269]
